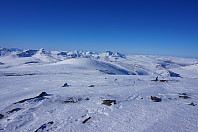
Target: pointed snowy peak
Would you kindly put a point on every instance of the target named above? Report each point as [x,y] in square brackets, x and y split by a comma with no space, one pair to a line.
[41,51]
[116,54]
[46,56]
[109,53]
[112,54]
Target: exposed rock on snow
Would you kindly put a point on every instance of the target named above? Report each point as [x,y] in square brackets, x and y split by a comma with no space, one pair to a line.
[65,85]
[72,100]
[109,102]
[31,62]
[156,99]
[44,127]
[173,74]
[184,96]
[192,104]
[1,116]
[39,97]
[86,120]
[163,80]
[125,80]
[14,110]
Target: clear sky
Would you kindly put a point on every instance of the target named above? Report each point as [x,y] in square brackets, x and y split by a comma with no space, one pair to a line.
[156,27]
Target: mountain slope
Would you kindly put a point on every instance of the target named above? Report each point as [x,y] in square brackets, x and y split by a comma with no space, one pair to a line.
[88,91]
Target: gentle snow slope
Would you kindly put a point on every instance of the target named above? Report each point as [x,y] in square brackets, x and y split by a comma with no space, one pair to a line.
[93,79]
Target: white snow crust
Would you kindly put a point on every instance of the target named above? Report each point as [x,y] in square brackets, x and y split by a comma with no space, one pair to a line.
[92,78]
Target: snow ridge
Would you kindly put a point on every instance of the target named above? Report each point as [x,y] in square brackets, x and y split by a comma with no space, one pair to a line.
[57,54]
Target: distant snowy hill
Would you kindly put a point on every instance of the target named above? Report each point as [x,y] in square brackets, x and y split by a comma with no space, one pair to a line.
[108,62]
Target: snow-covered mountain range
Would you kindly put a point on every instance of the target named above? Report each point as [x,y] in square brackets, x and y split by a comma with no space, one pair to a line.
[88,91]
[56,54]
[108,62]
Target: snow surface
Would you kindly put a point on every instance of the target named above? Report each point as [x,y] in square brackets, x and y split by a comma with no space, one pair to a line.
[92,78]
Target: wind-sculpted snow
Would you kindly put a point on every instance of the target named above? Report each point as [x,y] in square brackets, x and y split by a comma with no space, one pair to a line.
[113,104]
[85,91]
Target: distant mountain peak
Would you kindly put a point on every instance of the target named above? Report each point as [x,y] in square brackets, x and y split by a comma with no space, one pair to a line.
[57,54]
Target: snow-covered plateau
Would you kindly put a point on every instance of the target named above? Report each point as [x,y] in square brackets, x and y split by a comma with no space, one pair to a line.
[79,91]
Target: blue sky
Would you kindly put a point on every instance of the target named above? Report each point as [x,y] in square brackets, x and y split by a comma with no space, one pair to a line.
[156,27]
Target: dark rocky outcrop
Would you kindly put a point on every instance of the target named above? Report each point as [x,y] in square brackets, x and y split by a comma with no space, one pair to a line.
[86,99]
[1,116]
[44,126]
[192,104]
[109,102]
[173,74]
[86,120]
[72,100]
[65,85]
[41,95]
[11,111]
[163,80]
[19,74]
[156,99]
[183,95]
[156,80]
[31,62]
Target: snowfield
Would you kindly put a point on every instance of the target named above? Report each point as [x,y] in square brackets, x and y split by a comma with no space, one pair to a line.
[86,91]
